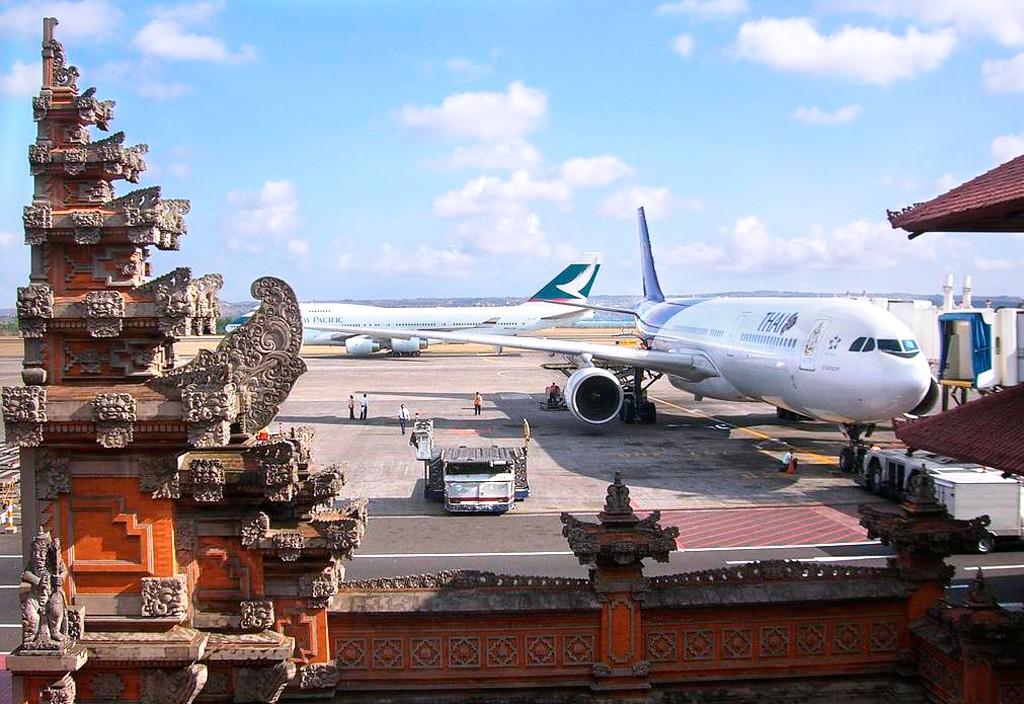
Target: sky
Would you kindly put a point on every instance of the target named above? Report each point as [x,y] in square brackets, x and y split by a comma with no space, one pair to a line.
[406,149]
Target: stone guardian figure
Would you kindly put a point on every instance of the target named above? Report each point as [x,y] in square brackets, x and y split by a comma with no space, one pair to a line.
[44,619]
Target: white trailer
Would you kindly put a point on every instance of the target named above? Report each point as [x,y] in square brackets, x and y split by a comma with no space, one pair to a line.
[973,494]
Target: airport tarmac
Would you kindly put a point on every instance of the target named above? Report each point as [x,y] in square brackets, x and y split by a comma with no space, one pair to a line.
[710,467]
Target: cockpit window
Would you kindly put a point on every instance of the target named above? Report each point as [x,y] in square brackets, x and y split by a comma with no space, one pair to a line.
[857,344]
[889,345]
[869,345]
[898,348]
[910,346]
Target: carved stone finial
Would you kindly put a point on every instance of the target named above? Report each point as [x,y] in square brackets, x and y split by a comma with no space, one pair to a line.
[44,620]
[262,684]
[255,615]
[24,409]
[978,595]
[63,691]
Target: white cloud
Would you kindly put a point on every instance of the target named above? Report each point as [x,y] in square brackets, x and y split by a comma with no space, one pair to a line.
[704,9]
[479,116]
[748,247]
[657,203]
[683,45]
[188,13]
[1007,146]
[588,172]
[492,194]
[467,68]
[297,248]
[861,54]
[160,90]
[1004,76]
[513,233]
[986,264]
[168,39]
[23,79]
[817,116]
[263,218]
[946,182]
[424,261]
[81,19]
[1001,19]
[6,240]
[503,155]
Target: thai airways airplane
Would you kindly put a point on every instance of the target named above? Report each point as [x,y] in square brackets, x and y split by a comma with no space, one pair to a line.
[546,308]
[838,360]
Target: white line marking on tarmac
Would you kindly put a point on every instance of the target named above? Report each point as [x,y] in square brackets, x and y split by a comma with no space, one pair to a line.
[994,567]
[10,625]
[10,557]
[849,558]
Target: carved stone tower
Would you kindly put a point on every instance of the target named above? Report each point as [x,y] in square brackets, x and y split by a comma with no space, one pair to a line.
[171,552]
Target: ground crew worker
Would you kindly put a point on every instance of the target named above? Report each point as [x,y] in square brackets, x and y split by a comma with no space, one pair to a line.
[8,517]
[787,460]
[403,417]
[478,402]
[364,407]
[351,407]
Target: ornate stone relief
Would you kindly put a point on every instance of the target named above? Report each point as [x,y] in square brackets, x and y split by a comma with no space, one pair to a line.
[288,545]
[256,615]
[327,483]
[37,219]
[107,685]
[208,412]
[53,476]
[255,530]
[63,691]
[262,684]
[207,480]
[173,686]
[164,596]
[319,587]
[41,105]
[24,414]
[44,608]
[104,313]
[35,307]
[159,476]
[151,219]
[114,414]
[91,110]
[87,224]
[319,676]
[64,74]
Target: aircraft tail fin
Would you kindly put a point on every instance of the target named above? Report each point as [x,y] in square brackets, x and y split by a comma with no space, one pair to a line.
[652,289]
[573,283]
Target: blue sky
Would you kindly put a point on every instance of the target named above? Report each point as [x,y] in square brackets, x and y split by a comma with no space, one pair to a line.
[401,149]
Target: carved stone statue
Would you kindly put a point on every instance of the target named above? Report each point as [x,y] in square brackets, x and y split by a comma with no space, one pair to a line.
[44,608]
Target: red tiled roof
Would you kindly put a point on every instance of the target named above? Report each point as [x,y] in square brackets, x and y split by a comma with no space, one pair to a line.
[986,431]
[992,202]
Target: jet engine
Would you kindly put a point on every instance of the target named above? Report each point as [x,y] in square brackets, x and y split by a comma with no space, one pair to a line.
[593,395]
[411,346]
[361,346]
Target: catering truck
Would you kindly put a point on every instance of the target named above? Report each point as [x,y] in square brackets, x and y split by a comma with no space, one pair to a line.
[472,479]
[967,490]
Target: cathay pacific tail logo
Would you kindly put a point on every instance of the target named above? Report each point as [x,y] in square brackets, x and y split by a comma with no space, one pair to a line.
[572,284]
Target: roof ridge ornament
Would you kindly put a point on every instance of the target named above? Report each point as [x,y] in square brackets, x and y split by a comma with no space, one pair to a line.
[56,71]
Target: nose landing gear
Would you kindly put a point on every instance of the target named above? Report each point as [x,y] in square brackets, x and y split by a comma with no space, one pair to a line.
[852,456]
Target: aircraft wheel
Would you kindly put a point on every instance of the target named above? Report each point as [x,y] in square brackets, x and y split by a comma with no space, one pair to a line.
[627,413]
[648,413]
[986,544]
[847,460]
[874,475]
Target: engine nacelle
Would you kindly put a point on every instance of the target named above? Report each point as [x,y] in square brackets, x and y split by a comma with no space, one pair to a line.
[593,395]
[927,403]
[413,344]
[361,346]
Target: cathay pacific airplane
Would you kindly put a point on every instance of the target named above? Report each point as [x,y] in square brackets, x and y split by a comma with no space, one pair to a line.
[546,308]
[831,359]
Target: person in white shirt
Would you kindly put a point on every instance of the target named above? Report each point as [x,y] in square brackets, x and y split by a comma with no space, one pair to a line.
[403,417]
[364,407]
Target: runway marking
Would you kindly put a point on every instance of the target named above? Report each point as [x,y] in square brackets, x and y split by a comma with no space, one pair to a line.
[10,557]
[819,458]
[994,567]
[849,558]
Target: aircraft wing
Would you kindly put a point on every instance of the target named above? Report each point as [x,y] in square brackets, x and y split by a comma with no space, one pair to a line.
[692,365]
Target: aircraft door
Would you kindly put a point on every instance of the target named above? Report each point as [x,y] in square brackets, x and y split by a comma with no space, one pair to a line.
[742,325]
[811,344]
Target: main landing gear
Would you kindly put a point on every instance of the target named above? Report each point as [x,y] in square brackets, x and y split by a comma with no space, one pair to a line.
[852,456]
[636,407]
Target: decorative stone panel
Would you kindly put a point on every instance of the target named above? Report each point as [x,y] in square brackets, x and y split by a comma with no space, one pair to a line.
[207,480]
[180,686]
[319,676]
[208,412]
[254,530]
[351,654]
[810,639]
[425,653]
[256,615]
[24,409]
[53,476]
[114,414]
[107,685]
[388,654]
[288,545]
[736,643]
[846,638]
[164,596]
[262,684]
[774,641]
[661,646]
[502,651]
[104,313]
[884,637]
[540,650]
[699,644]
[87,224]
[578,649]
[35,307]
[464,651]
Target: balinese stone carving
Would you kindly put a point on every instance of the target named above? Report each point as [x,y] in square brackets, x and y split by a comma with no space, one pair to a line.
[342,524]
[255,530]
[91,192]
[320,586]
[91,110]
[260,358]
[104,312]
[52,476]
[208,411]
[262,684]
[159,475]
[256,615]
[39,158]
[288,545]
[44,622]
[75,161]
[768,571]
[37,219]
[327,483]
[114,414]
[173,686]
[164,596]
[41,105]
[207,479]
[35,307]
[107,685]
[462,579]
[64,74]
[319,676]
[24,414]
[151,219]
[87,225]
[76,622]
[63,691]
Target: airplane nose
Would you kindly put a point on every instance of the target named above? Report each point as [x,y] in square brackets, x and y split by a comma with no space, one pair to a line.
[912,388]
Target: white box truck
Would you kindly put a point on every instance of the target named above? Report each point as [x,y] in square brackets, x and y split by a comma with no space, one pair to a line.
[967,495]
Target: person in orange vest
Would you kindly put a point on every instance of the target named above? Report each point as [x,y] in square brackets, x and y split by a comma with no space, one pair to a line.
[478,402]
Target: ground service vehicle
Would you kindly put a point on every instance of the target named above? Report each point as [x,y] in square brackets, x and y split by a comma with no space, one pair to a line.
[471,479]
[967,490]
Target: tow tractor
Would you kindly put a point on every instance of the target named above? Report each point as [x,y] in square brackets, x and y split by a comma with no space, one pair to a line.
[472,479]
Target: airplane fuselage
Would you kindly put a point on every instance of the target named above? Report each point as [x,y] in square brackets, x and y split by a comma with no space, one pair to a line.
[795,353]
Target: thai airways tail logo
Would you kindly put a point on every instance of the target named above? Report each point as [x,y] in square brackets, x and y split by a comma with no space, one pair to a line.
[573,283]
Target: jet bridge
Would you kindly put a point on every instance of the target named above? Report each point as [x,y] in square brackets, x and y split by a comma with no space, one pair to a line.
[980,348]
